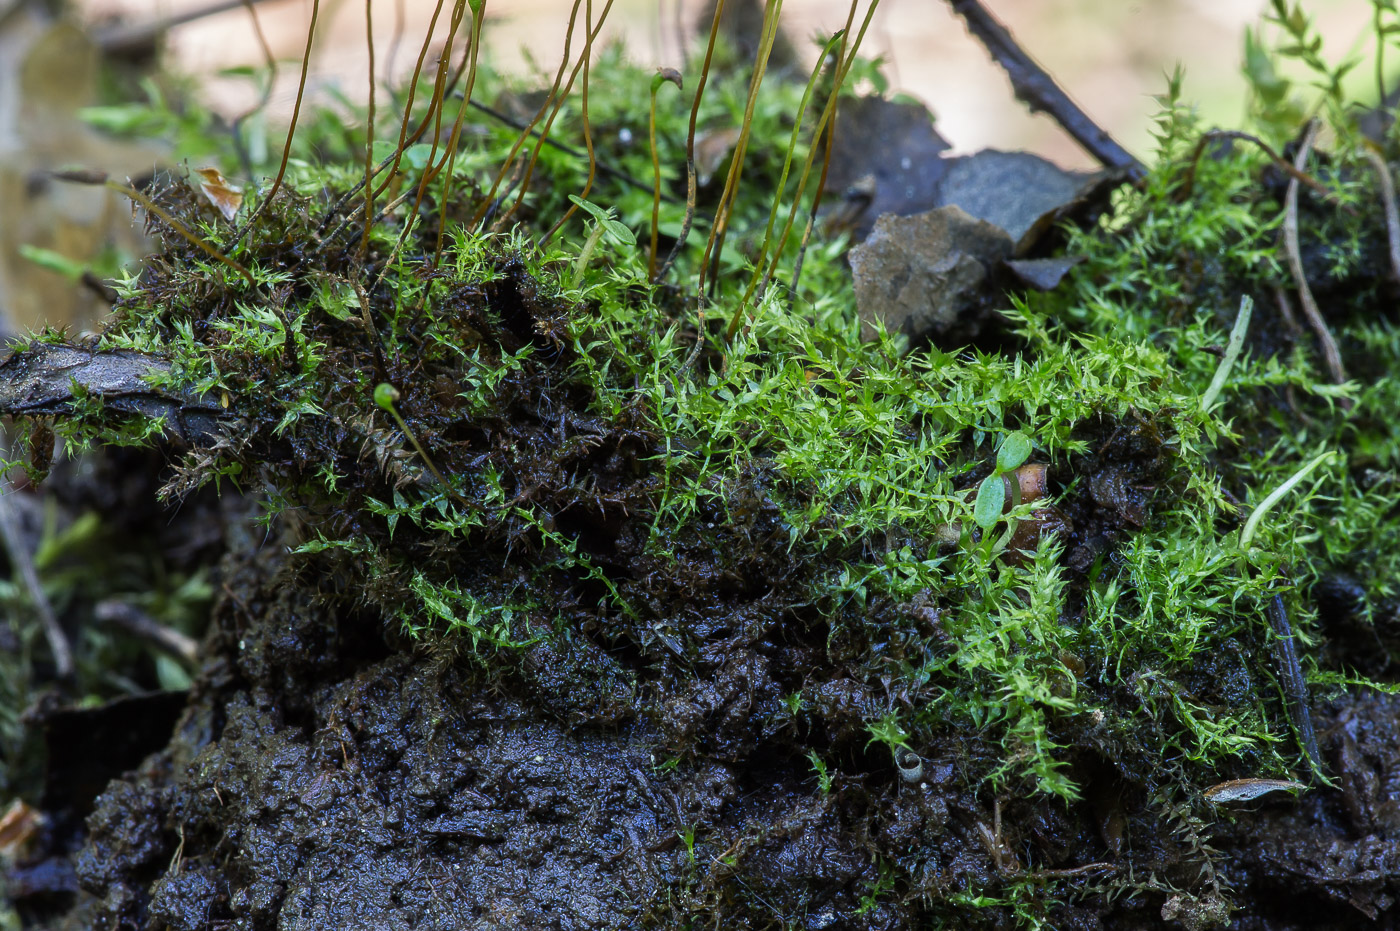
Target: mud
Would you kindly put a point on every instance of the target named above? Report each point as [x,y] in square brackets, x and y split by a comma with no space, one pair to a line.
[646,767]
[326,774]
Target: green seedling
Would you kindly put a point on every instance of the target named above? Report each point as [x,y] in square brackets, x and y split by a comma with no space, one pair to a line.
[604,224]
[1232,352]
[385,395]
[819,767]
[992,493]
[1251,526]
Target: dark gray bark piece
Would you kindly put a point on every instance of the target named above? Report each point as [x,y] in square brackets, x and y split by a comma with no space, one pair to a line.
[40,380]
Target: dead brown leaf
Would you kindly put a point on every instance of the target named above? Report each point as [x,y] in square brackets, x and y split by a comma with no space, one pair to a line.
[1247,790]
[226,196]
[17,826]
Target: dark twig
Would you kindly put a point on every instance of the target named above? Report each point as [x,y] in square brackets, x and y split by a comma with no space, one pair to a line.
[1283,164]
[1038,90]
[23,561]
[46,379]
[126,39]
[1295,687]
[1392,220]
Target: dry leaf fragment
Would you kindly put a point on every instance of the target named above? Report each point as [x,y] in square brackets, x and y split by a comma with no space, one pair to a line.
[227,197]
[712,149]
[1247,790]
[17,826]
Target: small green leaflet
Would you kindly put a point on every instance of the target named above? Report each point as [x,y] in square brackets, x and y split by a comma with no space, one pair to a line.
[618,233]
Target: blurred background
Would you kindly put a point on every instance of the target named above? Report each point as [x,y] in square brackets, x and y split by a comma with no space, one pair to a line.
[1110,55]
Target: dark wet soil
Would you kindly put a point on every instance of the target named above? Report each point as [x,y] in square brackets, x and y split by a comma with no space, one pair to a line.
[325,774]
[650,770]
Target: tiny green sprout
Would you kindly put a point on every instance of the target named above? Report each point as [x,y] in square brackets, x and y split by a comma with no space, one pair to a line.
[605,225]
[385,395]
[1251,526]
[1232,352]
[819,767]
[887,730]
[688,838]
[991,494]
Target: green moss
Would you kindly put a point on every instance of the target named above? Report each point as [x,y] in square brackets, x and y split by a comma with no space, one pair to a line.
[839,475]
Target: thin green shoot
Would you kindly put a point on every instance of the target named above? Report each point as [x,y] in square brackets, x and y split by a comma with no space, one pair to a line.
[385,395]
[1232,352]
[604,223]
[714,245]
[826,54]
[1251,526]
[690,184]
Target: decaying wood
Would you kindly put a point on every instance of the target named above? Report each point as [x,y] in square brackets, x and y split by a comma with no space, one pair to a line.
[46,379]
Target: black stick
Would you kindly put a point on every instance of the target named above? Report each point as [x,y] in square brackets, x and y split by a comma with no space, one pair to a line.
[1295,687]
[131,38]
[1038,91]
[603,169]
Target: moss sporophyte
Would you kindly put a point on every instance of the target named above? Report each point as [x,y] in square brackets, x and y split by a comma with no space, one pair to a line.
[973,600]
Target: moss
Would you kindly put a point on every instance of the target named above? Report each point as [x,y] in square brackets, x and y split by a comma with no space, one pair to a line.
[795,491]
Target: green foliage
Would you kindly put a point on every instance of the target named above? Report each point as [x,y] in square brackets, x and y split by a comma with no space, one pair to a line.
[878,479]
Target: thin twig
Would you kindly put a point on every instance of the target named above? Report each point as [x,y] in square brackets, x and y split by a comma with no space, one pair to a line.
[1038,90]
[140,624]
[22,560]
[1294,172]
[1295,266]
[128,38]
[291,131]
[1392,221]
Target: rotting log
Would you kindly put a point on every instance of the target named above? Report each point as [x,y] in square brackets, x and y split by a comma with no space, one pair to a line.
[49,378]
